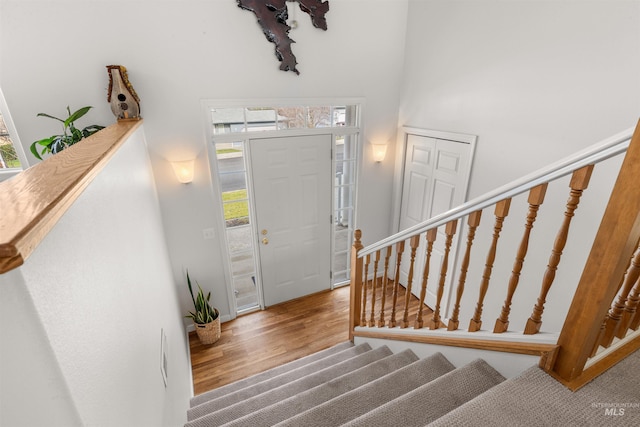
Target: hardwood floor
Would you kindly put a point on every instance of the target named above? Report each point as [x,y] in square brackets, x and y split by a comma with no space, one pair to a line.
[258,341]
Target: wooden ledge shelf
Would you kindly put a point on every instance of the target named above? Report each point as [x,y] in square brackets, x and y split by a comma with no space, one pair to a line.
[32,202]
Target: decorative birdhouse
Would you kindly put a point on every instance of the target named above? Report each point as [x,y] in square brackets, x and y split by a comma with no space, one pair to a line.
[124,101]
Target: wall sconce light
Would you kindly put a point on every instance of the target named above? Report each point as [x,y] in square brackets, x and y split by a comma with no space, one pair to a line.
[379,151]
[184,170]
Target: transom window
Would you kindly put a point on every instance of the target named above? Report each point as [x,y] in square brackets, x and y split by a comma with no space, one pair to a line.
[256,119]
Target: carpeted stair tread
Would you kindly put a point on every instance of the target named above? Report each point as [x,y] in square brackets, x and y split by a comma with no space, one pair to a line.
[308,399]
[202,416]
[284,378]
[357,402]
[434,399]
[270,373]
[535,398]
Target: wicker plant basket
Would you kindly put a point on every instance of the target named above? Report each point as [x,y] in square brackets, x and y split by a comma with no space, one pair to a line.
[208,333]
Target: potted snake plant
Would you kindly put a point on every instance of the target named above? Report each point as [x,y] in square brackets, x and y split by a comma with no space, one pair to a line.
[206,318]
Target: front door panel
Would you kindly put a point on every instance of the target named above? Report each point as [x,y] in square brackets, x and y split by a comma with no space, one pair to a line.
[292,190]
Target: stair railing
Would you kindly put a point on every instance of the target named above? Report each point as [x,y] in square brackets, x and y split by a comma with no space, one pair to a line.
[592,301]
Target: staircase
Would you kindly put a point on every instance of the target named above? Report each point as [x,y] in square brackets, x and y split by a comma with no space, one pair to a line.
[357,385]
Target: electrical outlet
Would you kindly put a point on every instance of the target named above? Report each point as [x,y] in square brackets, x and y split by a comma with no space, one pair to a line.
[209,233]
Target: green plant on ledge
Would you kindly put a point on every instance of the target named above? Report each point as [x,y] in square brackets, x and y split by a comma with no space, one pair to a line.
[71,134]
[203,313]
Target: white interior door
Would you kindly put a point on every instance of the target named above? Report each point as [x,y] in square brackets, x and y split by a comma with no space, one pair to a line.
[292,191]
[436,173]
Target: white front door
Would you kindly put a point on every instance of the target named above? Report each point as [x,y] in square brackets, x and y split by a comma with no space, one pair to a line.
[292,190]
[435,179]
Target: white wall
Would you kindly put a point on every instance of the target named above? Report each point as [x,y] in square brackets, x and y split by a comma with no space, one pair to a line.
[29,373]
[181,52]
[536,81]
[95,295]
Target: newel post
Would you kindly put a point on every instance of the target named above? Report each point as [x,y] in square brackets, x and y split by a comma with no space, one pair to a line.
[613,246]
[355,306]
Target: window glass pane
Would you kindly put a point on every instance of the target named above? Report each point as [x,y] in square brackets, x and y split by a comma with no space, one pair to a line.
[227,120]
[245,290]
[343,218]
[8,156]
[319,117]
[236,213]
[342,241]
[292,117]
[239,238]
[236,195]
[351,115]
[339,277]
[242,263]
[345,173]
[339,264]
[232,181]
[338,116]
[230,150]
[261,118]
[346,147]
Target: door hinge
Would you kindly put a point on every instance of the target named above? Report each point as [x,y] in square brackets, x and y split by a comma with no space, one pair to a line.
[330,219]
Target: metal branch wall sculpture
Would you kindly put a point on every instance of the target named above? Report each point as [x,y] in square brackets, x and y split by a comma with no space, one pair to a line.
[272,16]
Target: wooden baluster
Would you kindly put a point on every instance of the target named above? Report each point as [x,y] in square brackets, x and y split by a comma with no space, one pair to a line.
[579,182]
[614,317]
[473,221]
[634,314]
[600,341]
[596,346]
[501,212]
[450,231]
[536,197]
[631,307]
[372,319]
[356,284]
[365,285]
[385,284]
[431,237]
[396,281]
[413,243]
[605,335]
[630,318]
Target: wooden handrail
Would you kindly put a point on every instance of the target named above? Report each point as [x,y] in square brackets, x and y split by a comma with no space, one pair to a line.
[613,268]
[33,201]
[603,150]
